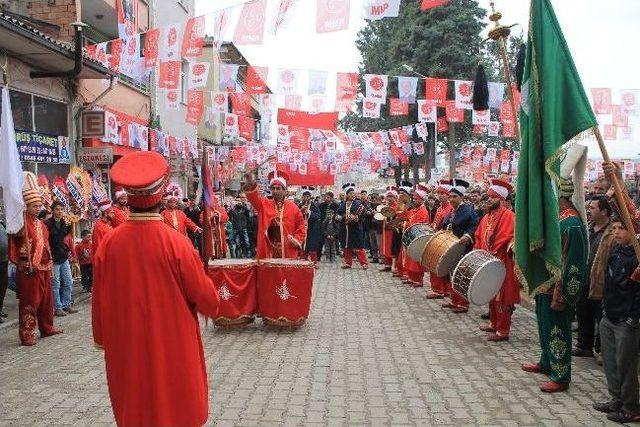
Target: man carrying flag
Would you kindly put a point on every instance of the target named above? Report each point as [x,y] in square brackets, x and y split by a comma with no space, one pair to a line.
[554,109]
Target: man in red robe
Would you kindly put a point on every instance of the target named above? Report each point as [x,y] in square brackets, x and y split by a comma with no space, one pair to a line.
[120,208]
[103,226]
[281,226]
[402,216]
[149,286]
[440,286]
[29,251]
[417,215]
[495,235]
[387,233]
[218,217]
[174,216]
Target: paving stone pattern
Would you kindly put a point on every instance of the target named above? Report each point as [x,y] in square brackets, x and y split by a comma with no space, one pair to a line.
[374,352]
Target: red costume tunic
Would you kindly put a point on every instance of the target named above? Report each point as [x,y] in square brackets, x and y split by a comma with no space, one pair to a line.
[387,237]
[287,219]
[441,285]
[413,269]
[495,234]
[218,231]
[149,286]
[100,230]
[120,215]
[178,221]
[400,260]
[35,297]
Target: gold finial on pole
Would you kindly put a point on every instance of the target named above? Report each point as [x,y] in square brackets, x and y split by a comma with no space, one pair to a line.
[500,34]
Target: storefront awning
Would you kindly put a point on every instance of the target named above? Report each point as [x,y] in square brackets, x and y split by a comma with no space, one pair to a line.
[42,52]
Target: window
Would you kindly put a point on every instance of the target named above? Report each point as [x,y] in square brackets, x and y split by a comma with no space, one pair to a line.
[22,110]
[143,16]
[50,117]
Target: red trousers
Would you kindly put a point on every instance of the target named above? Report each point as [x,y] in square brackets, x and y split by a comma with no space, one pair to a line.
[457,299]
[400,264]
[35,304]
[416,278]
[439,285]
[388,261]
[500,316]
[360,253]
[312,256]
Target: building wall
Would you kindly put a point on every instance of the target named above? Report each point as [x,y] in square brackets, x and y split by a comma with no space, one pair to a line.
[57,12]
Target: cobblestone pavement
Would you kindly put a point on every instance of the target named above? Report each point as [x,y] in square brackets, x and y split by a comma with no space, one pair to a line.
[373,352]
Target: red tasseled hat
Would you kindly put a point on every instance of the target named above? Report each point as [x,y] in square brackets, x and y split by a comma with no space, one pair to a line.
[144,176]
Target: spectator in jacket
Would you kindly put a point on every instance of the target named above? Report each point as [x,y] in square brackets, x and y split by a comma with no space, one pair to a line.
[241,219]
[59,240]
[84,255]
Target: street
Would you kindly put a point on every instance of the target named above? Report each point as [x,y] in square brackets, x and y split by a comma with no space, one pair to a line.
[374,352]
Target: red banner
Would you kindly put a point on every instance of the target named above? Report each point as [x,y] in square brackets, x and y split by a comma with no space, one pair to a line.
[169,75]
[601,100]
[195,106]
[313,176]
[151,39]
[250,27]
[436,90]
[332,15]
[256,78]
[346,90]
[326,121]
[430,4]
[193,39]
[397,107]
[240,103]
[247,127]
[454,115]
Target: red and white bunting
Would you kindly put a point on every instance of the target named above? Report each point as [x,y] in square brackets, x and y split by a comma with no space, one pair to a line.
[618,116]
[453,113]
[436,90]
[195,107]
[246,128]
[283,135]
[464,94]
[397,107]
[494,128]
[376,86]
[231,125]
[169,76]
[283,16]
[171,43]
[198,74]
[256,79]
[627,132]
[378,9]
[418,148]
[421,130]
[481,117]
[172,99]
[496,94]
[630,99]
[288,81]
[250,27]
[427,111]
[127,14]
[240,103]
[332,15]
[371,108]
[506,113]
[193,40]
[151,47]
[610,132]
[219,102]
[346,91]
[293,102]
[430,4]
[601,100]
[228,77]
[317,82]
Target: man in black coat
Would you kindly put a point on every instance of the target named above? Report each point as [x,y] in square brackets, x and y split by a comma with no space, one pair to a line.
[311,212]
[328,204]
[352,237]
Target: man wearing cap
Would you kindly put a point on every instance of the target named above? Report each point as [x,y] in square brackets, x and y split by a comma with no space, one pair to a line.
[29,251]
[391,202]
[329,204]
[440,286]
[495,235]
[352,234]
[418,214]
[120,208]
[174,216]
[149,287]
[281,227]
[555,302]
[402,215]
[311,213]
[103,226]
[462,222]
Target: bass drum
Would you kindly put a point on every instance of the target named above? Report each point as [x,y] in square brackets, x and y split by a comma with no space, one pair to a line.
[478,277]
[415,239]
[442,253]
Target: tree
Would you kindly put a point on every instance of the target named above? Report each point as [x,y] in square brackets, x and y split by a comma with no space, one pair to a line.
[443,42]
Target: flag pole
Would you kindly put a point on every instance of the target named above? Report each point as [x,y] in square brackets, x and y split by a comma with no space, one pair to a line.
[618,192]
[499,34]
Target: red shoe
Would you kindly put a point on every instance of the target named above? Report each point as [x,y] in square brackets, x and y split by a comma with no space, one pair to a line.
[385,269]
[460,310]
[366,266]
[52,332]
[448,304]
[533,367]
[553,387]
[28,343]
[486,327]
[497,338]
[345,267]
[433,295]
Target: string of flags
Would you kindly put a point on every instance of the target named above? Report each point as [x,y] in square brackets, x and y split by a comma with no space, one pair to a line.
[615,117]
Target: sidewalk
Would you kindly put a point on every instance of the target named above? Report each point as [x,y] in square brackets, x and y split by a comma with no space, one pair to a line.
[11,304]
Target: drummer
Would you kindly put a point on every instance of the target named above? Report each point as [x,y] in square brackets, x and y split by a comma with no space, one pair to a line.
[418,214]
[402,214]
[391,202]
[495,235]
[462,222]
[440,286]
[352,236]
[281,227]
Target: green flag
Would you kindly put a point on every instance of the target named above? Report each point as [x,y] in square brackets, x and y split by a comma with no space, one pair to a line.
[553,109]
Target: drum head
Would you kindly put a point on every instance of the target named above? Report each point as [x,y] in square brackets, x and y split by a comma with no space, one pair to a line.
[287,262]
[450,259]
[487,282]
[416,248]
[232,262]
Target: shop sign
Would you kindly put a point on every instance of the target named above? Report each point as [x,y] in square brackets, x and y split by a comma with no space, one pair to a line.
[42,148]
[93,124]
[95,156]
